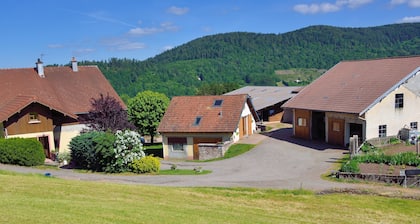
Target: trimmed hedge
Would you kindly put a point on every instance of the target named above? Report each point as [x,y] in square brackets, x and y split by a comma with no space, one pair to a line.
[21,151]
[147,164]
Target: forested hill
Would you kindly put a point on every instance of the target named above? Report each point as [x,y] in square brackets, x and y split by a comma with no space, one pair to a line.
[252,58]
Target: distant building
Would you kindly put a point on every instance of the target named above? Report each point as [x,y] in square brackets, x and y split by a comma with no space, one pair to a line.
[268,100]
[193,120]
[46,102]
[368,98]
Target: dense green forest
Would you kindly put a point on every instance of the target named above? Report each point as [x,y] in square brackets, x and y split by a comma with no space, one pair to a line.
[253,58]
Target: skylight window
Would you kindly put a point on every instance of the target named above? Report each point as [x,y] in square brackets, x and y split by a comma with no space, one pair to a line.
[218,103]
[197,121]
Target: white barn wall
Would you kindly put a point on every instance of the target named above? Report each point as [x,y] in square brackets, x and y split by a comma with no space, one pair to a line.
[385,113]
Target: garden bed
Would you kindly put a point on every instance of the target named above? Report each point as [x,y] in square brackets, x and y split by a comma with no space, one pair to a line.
[385,164]
[385,169]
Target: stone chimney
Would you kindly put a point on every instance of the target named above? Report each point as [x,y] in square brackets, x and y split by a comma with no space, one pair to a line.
[40,68]
[74,64]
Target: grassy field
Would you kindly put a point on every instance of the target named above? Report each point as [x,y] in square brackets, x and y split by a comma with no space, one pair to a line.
[39,199]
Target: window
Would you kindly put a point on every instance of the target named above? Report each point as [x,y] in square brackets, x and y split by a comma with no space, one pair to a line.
[33,118]
[382,131]
[413,125]
[301,121]
[177,144]
[399,100]
[336,126]
[218,103]
[197,121]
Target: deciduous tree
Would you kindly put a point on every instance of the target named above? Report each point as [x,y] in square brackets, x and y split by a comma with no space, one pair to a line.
[107,114]
[146,110]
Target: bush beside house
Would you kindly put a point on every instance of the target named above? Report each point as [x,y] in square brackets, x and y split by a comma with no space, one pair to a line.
[21,151]
[113,153]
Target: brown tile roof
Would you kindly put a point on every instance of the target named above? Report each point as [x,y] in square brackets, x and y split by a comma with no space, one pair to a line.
[355,86]
[183,111]
[62,89]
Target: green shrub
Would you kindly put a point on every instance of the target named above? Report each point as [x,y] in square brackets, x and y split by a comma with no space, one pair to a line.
[104,151]
[351,166]
[21,151]
[147,164]
[83,153]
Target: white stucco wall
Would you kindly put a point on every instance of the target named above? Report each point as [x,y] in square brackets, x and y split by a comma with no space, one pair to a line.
[67,133]
[385,113]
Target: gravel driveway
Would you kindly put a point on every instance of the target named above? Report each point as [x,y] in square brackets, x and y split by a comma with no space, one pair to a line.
[278,161]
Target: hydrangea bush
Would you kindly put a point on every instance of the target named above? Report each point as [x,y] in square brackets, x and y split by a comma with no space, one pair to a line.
[128,148]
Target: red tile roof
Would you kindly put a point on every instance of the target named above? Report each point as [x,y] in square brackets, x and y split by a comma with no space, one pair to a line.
[354,86]
[61,89]
[183,111]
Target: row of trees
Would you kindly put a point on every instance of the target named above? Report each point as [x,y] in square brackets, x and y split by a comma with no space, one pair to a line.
[143,114]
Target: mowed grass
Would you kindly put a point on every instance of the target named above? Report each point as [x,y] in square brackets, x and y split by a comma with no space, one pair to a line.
[39,199]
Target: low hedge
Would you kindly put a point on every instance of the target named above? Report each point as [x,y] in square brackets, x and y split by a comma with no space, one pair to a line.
[21,151]
[147,164]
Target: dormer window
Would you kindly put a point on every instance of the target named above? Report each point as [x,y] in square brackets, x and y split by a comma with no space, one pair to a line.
[217,103]
[34,118]
[197,121]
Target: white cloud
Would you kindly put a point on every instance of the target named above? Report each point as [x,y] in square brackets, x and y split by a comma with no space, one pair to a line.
[316,8]
[410,3]
[130,46]
[166,26]
[410,19]
[326,7]
[353,3]
[102,16]
[122,44]
[138,31]
[177,10]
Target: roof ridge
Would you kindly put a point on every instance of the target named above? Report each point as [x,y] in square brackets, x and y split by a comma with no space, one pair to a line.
[382,58]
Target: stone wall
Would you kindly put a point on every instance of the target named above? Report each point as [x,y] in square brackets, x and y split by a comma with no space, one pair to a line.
[410,181]
[212,150]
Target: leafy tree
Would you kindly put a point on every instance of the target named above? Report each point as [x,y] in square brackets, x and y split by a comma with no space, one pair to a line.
[146,111]
[107,114]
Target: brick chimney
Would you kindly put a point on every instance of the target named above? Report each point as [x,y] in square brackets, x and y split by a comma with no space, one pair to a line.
[40,68]
[74,64]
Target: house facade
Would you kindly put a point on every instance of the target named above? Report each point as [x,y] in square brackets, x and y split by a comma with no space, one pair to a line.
[191,121]
[46,102]
[368,98]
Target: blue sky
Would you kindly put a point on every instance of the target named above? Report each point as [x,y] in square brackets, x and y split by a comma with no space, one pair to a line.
[56,30]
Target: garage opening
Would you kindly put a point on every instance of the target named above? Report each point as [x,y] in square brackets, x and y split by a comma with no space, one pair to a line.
[357,129]
[318,126]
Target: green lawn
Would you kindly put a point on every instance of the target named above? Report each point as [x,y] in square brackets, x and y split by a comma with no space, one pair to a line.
[39,199]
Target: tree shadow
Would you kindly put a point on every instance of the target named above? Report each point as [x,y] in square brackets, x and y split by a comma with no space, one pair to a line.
[286,134]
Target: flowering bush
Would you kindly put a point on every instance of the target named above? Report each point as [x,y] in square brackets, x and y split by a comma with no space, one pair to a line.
[128,148]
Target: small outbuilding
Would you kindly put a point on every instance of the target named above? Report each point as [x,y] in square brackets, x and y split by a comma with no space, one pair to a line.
[202,127]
